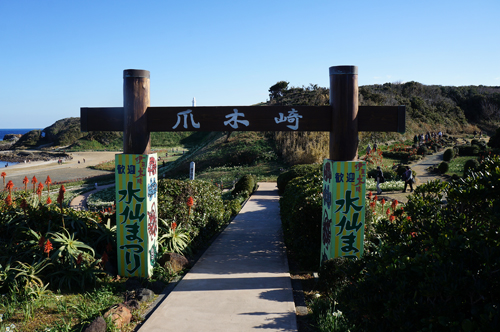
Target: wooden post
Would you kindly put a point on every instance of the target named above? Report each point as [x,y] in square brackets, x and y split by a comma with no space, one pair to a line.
[344,102]
[136,136]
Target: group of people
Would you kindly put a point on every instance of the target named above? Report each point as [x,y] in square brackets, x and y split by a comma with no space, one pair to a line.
[424,138]
[407,177]
[369,148]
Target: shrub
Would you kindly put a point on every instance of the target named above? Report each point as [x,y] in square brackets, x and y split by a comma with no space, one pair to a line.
[389,174]
[443,167]
[449,154]
[434,271]
[294,172]
[470,165]
[246,183]
[468,150]
[422,150]
[494,141]
[300,209]
[207,214]
[233,206]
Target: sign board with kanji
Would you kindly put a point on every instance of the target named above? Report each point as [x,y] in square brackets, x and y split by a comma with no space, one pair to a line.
[344,117]
[137,213]
[343,217]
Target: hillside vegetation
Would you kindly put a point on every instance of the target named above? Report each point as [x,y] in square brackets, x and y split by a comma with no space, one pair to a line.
[430,108]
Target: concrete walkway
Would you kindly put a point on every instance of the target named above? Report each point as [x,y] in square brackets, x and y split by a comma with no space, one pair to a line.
[423,176]
[79,203]
[241,283]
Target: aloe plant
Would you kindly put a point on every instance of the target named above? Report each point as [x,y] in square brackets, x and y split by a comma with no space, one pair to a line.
[176,239]
[68,248]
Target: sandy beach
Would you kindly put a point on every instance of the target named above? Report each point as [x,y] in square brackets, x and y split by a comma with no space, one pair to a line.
[69,170]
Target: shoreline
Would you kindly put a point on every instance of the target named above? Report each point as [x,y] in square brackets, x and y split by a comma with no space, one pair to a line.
[27,156]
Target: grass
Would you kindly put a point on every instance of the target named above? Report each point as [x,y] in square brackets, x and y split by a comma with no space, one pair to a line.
[456,165]
[62,312]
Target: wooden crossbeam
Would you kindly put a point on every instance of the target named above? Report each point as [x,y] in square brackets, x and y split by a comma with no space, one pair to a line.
[260,118]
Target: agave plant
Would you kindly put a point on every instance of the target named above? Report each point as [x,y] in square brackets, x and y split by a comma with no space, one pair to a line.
[176,239]
[68,248]
[27,279]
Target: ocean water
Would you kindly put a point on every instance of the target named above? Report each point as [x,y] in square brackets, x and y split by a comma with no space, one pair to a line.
[4,132]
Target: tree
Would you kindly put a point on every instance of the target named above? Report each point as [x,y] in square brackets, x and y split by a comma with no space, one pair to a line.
[277,90]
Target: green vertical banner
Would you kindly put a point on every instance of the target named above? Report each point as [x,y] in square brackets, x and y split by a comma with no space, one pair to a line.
[136,213]
[343,219]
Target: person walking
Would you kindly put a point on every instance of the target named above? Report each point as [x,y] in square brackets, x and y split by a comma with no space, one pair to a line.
[380,179]
[408,178]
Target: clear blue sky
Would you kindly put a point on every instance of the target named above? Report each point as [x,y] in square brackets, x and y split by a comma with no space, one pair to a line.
[58,56]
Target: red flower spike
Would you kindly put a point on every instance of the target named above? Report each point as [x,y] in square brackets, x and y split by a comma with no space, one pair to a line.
[370,195]
[190,201]
[8,200]
[392,218]
[388,212]
[394,204]
[48,247]
[49,201]
[174,226]
[10,185]
[383,202]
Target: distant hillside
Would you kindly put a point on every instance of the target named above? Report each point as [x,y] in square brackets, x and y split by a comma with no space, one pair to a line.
[453,110]
[448,107]
[67,133]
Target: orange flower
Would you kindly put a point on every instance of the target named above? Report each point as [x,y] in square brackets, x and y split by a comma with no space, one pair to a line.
[34,181]
[49,201]
[388,212]
[190,201]
[48,182]
[375,198]
[9,186]
[48,247]
[25,182]
[413,234]
[370,195]
[394,204]
[383,202]
[392,218]
[3,175]
[8,200]
[174,226]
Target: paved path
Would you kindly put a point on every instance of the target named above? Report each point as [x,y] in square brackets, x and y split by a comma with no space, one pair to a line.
[423,176]
[241,283]
[79,203]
